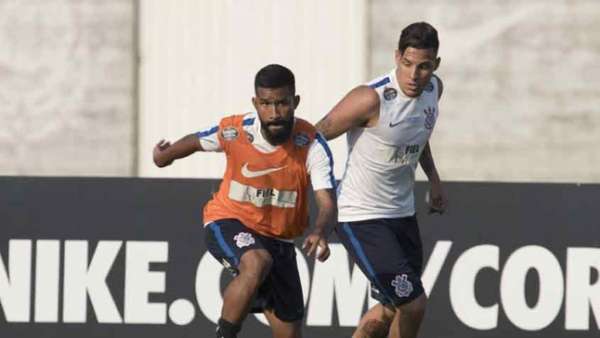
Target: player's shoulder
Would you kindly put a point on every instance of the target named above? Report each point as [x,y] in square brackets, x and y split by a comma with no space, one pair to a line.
[364,96]
[372,92]
[367,93]
[232,126]
[302,125]
[379,82]
[304,133]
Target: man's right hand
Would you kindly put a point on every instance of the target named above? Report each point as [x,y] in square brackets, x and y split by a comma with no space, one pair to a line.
[158,154]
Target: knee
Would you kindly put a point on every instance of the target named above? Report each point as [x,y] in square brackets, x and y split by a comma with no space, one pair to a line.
[374,329]
[288,334]
[255,264]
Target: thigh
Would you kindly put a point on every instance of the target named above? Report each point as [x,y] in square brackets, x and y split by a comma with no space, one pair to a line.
[228,239]
[409,237]
[282,288]
[380,255]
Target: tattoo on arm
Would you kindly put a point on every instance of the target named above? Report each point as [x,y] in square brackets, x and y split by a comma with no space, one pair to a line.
[325,126]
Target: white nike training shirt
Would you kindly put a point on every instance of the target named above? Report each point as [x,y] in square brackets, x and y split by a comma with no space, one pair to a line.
[380,171]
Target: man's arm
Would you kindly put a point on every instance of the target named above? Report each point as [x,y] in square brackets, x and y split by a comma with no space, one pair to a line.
[165,153]
[428,165]
[359,108]
[326,218]
[438,200]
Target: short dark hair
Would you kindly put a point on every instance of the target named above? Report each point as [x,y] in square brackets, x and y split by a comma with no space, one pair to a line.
[420,35]
[275,76]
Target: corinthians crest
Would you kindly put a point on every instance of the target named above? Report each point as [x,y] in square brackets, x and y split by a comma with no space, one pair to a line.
[402,285]
[430,115]
[243,239]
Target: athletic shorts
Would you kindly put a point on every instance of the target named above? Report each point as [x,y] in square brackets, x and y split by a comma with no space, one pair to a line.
[228,239]
[390,253]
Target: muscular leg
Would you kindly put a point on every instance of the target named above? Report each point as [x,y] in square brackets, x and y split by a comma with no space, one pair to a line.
[283,329]
[389,252]
[375,323]
[408,317]
[254,267]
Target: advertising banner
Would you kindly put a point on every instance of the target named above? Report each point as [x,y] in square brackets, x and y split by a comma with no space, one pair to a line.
[118,257]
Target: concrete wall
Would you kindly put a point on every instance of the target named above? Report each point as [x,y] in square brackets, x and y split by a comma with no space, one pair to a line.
[522,79]
[67,89]
[522,85]
[199,59]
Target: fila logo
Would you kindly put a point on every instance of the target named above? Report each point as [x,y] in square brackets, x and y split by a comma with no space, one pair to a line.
[250,174]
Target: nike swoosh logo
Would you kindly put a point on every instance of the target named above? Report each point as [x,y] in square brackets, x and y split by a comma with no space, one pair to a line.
[250,174]
[392,125]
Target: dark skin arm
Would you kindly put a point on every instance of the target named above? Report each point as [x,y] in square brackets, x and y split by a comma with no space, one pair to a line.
[359,108]
[325,199]
[438,200]
[164,153]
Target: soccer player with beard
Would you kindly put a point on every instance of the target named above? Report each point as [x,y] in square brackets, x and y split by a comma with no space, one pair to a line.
[262,203]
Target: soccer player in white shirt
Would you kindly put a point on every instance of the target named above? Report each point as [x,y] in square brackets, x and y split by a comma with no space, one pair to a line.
[388,123]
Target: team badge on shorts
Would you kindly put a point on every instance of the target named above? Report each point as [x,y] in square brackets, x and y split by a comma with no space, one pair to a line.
[402,285]
[389,93]
[243,239]
[229,133]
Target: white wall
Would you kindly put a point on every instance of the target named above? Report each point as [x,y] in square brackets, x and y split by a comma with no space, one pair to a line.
[522,85]
[199,58]
[522,81]
[67,87]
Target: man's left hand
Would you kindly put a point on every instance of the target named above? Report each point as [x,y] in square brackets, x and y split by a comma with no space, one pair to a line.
[438,200]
